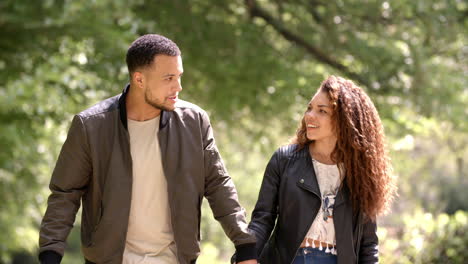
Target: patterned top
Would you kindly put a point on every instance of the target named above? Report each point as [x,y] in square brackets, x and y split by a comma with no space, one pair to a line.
[322,230]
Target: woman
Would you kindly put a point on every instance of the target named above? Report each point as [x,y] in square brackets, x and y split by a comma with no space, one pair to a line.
[322,194]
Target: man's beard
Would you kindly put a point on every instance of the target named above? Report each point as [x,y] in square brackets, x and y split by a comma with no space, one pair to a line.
[156,105]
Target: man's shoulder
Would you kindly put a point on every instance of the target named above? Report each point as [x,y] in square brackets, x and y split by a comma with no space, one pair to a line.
[101,108]
[187,110]
[182,105]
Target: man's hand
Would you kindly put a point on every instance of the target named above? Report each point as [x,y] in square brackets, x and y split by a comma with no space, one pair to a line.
[250,261]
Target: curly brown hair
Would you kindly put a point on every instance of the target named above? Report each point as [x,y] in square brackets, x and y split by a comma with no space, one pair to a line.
[360,147]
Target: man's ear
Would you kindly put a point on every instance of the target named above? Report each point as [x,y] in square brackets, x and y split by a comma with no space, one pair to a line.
[138,78]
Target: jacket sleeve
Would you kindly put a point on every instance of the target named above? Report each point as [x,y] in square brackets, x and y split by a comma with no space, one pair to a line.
[68,182]
[266,210]
[369,250]
[222,196]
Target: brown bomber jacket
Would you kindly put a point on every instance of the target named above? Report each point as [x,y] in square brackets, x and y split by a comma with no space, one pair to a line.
[95,166]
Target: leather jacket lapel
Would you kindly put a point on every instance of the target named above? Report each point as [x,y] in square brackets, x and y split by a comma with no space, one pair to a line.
[308,179]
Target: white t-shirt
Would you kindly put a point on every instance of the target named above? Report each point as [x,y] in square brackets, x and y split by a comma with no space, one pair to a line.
[322,229]
[150,238]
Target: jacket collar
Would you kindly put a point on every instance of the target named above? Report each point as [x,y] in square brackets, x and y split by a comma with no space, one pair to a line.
[123,110]
[311,183]
[308,183]
[343,194]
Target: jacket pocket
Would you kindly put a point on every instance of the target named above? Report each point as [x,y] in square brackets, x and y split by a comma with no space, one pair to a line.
[358,236]
[200,201]
[95,226]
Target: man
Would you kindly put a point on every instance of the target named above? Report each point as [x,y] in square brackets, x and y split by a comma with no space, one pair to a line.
[141,163]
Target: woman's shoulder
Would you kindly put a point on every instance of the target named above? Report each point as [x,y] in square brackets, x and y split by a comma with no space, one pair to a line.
[290,151]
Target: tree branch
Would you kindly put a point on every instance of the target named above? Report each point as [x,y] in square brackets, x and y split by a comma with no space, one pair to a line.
[256,11]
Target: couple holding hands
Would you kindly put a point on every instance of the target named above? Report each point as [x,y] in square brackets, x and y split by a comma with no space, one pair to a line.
[142,161]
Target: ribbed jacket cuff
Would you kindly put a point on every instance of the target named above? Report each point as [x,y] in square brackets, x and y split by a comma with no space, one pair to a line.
[50,257]
[246,252]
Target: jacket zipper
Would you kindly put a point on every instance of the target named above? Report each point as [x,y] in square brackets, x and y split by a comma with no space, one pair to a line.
[127,135]
[358,242]
[307,230]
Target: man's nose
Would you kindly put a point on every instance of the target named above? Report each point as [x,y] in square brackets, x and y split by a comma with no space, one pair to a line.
[179,85]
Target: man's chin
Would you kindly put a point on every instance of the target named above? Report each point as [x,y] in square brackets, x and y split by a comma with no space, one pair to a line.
[171,106]
[168,108]
[163,107]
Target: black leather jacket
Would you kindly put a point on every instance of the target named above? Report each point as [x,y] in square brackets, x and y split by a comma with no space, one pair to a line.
[288,202]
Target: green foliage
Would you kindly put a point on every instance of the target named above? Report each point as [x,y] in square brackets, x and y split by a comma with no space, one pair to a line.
[430,159]
[253,65]
[425,238]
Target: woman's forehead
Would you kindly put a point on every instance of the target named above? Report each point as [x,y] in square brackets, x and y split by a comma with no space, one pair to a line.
[320,98]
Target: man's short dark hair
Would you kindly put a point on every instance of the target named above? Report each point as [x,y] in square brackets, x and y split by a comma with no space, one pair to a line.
[143,50]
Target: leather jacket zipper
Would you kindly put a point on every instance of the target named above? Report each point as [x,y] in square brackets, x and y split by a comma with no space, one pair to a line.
[307,230]
[358,242]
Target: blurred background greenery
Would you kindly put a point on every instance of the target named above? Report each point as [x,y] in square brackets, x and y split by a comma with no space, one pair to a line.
[253,65]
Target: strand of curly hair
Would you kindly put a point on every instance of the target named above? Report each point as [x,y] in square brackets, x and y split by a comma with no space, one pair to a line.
[360,149]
